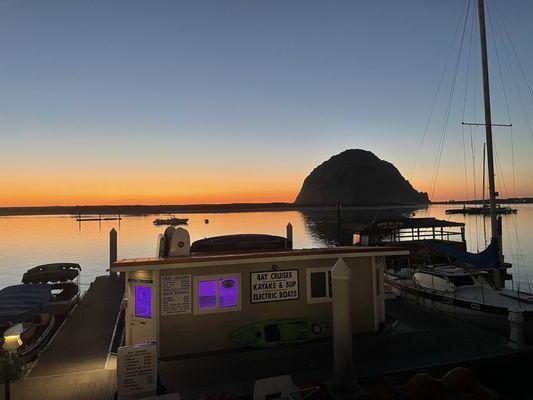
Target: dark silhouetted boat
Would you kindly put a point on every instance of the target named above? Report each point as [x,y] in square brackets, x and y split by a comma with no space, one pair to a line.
[483,210]
[171,221]
[28,305]
[63,279]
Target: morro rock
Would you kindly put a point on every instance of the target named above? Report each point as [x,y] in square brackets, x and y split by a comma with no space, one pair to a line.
[357,177]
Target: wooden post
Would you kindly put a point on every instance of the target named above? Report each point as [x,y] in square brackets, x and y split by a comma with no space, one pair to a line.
[112,250]
[516,322]
[289,236]
[342,327]
[339,223]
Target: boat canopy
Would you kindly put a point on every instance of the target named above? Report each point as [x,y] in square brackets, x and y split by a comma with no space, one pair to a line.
[58,272]
[20,303]
[488,258]
[240,242]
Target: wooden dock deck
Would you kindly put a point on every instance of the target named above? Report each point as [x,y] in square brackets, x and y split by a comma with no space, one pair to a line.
[86,385]
[425,341]
[73,364]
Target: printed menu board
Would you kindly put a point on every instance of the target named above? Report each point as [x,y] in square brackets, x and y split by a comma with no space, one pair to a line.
[175,294]
[137,370]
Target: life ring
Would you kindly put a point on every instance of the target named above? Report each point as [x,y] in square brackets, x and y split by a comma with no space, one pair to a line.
[316,329]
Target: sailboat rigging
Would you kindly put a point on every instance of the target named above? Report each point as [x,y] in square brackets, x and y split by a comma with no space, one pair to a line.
[493,194]
[467,286]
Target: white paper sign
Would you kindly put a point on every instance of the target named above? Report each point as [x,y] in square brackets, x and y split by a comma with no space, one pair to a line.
[137,369]
[175,294]
[274,286]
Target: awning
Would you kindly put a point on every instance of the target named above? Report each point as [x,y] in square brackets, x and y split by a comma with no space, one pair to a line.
[20,303]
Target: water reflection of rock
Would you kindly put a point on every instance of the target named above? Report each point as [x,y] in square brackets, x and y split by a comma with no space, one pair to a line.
[323,225]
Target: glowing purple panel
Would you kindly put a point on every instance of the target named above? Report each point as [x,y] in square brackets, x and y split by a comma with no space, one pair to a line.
[143,301]
[228,292]
[207,294]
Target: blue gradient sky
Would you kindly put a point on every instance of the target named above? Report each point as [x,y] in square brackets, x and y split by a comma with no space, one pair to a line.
[214,101]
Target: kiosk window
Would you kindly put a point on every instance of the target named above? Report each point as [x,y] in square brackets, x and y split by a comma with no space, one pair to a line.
[319,285]
[143,301]
[217,293]
[207,294]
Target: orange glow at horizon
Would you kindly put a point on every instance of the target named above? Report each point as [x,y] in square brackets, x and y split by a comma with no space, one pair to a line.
[206,187]
[143,189]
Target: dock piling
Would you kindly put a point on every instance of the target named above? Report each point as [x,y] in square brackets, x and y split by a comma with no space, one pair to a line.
[516,321]
[339,230]
[112,250]
[289,235]
[342,328]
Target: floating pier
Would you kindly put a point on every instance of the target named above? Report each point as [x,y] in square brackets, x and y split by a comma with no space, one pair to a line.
[422,341]
[72,366]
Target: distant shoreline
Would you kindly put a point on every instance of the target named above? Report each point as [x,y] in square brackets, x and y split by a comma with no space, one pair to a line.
[145,209]
[206,208]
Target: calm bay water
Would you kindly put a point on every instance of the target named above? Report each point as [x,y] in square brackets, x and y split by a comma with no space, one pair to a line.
[26,241]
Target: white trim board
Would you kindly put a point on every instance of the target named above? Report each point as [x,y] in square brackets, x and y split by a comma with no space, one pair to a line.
[253,260]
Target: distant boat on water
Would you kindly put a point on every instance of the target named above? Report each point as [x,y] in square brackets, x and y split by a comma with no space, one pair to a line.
[171,221]
[483,210]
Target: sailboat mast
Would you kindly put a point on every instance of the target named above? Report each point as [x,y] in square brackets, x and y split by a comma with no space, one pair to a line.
[488,130]
[484,174]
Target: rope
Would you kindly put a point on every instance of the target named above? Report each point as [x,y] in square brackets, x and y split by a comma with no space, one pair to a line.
[472,147]
[499,23]
[506,100]
[513,47]
[519,254]
[450,100]
[438,90]
[464,107]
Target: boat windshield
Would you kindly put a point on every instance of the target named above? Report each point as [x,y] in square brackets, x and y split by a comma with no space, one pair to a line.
[463,280]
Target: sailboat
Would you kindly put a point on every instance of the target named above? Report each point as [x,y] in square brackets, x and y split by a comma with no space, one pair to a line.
[471,287]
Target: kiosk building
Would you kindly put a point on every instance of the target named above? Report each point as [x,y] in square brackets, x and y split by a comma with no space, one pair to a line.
[194,302]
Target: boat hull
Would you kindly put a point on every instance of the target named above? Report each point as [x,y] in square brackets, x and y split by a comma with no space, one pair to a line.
[494,319]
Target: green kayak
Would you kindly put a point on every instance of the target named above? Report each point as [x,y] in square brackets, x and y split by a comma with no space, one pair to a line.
[276,332]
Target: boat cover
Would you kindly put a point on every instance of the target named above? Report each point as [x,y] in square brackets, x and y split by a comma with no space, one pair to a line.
[488,258]
[240,242]
[20,303]
[59,272]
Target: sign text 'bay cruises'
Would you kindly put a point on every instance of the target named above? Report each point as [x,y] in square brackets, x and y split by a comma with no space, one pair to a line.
[274,286]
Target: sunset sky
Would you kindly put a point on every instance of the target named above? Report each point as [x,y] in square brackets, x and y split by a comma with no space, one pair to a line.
[161,102]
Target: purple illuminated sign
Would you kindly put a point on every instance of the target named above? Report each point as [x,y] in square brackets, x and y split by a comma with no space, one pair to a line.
[143,301]
[218,293]
[228,292]
[207,294]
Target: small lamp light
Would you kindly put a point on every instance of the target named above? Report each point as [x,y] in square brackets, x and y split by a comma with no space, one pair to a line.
[12,340]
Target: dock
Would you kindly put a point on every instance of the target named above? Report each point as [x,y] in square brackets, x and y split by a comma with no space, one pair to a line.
[424,341]
[72,366]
